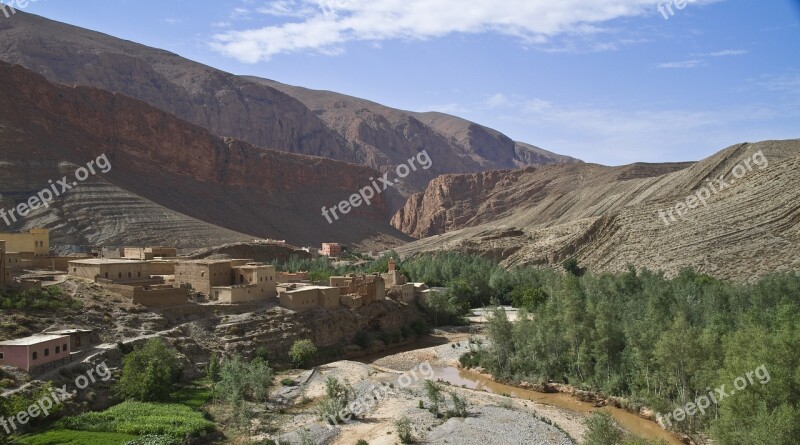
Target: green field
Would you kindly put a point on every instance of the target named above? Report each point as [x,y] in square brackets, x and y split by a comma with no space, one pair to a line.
[137,418]
[69,437]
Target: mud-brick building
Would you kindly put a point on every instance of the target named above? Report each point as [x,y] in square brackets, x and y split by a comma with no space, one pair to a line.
[110,270]
[310,297]
[369,288]
[228,281]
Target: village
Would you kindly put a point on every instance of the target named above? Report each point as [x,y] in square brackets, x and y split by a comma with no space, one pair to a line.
[155,277]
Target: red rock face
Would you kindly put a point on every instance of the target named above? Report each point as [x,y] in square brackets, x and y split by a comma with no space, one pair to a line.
[183,167]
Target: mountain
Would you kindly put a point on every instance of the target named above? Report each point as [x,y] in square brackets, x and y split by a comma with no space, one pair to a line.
[610,217]
[170,182]
[264,113]
[384,137]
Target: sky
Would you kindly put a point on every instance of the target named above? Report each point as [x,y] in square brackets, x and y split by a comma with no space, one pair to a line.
[606,81]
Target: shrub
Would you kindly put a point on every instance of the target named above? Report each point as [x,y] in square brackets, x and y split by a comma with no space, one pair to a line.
[302,353]
[337,397]
[404,430]
[459,406]
[602,430]
[362,442]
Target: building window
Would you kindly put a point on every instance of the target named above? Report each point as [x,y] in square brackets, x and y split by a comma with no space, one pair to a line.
[120,275]
[140,274]
[106,274]
[46,352]
[77,342]
[34,356]
[2,355]
[74,269]
[58,349]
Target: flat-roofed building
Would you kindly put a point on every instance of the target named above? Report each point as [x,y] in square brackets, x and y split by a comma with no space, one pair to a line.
[202,275]
[35,353]
[35,241]
[294,277]
[78,338]
[113,270]
[369,287]
[309,297]
[249,282]
[148,253]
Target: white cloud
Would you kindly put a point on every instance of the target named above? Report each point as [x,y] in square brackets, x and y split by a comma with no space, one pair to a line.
[498,100]
[725,53]
[694,63]
[337,22]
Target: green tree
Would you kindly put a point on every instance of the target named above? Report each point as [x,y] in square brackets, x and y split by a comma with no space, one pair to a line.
[149,372]
[302,353]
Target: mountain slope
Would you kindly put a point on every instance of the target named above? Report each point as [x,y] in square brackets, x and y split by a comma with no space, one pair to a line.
[608,217]
[264,113]
[160,162]
[384,137]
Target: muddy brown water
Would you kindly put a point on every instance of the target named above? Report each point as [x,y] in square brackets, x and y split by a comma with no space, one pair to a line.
[631,422]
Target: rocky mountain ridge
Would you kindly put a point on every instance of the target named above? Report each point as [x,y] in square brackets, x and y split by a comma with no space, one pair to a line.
[610,217]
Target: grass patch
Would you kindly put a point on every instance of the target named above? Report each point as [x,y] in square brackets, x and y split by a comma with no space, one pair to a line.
[194,395]
[137,418]
[69,437]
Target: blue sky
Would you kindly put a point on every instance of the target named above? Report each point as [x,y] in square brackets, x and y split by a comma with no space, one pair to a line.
[607,81]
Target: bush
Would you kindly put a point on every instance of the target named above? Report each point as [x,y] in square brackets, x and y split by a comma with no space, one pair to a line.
[404,430]
[149,372]
[602,430]
[337,397]
[362,442]
[459,407]
[302,353]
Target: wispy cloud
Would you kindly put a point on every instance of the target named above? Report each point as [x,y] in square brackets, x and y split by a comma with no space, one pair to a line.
[725,53]
[694,63]
[327,25]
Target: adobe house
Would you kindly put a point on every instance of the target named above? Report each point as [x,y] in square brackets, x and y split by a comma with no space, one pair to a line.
[148,253]
[296,277]
[396,280]
[228,281]
[36,353]
[78,338]
[249,282]
[309,297]
[202,275]
[110,270]
[369,287]
[36,242]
